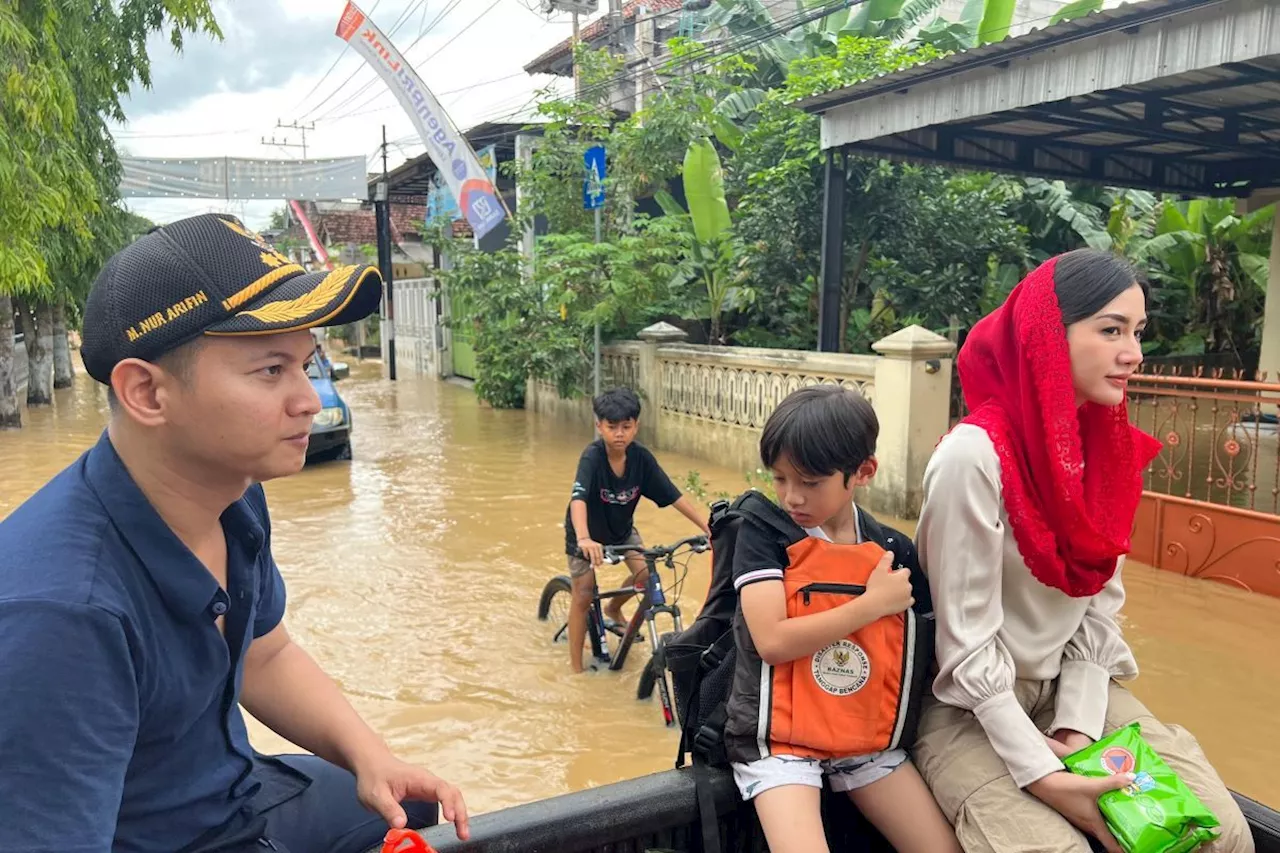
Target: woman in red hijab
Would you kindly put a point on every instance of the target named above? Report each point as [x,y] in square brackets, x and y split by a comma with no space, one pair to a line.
[1028,507]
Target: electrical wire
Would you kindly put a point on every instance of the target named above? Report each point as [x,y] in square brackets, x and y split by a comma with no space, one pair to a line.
[350,99]
[341,53]
[737,44]
[437,52]
[362,66]
[743,42]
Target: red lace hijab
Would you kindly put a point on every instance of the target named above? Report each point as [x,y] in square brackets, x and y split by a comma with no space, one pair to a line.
[1071,477]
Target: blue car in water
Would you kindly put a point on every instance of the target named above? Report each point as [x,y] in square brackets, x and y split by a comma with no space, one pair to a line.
[331,429]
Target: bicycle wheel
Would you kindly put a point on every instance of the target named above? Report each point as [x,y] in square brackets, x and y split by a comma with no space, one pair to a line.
[553,606]
[654,669]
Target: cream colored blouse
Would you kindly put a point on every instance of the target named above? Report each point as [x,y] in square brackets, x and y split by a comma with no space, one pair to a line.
[997,623]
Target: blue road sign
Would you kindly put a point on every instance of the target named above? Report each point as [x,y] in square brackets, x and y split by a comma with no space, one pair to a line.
[593,183]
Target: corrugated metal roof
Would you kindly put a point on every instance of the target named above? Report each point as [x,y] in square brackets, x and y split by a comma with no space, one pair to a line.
[999,53]
[1211,33]
[1171,95]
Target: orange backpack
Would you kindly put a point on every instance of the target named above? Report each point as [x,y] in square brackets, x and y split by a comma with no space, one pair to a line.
[853,697]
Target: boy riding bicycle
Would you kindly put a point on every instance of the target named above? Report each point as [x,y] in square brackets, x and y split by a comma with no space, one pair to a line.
[828,640]
[614,471]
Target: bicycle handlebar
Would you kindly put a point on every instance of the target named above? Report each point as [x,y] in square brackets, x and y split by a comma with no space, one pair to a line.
[615,554]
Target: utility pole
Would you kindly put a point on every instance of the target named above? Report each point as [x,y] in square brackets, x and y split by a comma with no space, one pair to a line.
[286,144]
[382,215]
[613,34]
[615,26]
[573,53]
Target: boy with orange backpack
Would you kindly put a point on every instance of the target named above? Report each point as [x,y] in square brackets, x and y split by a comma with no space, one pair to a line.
[832,639]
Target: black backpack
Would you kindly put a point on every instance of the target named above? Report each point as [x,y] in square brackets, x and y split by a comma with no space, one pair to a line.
[702,658]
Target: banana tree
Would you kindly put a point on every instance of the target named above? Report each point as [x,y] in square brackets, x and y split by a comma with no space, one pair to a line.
[1100,217]
[745,20]
[711,253]
[1212,263]
[985,21]
[889,19]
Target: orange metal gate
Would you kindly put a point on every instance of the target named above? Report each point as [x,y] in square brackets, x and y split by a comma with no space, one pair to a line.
[1211,508]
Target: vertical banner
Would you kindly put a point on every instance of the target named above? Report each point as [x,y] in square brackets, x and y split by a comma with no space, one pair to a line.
[440,201]
[446,147]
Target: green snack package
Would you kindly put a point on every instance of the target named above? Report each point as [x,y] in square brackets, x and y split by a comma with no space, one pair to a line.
[1158,813]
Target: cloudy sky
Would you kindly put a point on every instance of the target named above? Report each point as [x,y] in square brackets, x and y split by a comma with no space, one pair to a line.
[280,62]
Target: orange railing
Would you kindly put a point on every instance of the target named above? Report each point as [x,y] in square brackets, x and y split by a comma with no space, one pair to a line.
[1220,433]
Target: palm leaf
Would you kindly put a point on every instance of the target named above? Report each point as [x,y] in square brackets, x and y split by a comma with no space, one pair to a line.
[860,23]
[1171,220]
[971,17]
[1176,249]
[740,104]
[1196,216]
[668,203]
[1078,9]
[884,10]
[729,134]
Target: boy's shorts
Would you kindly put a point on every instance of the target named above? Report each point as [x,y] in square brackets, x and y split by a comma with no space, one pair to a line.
[579,566]
[843,774]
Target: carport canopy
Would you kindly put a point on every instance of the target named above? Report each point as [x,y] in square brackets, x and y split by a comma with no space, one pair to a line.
[1179,96]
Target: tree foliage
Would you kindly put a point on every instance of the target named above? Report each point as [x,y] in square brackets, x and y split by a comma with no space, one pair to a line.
[43,180]
[64,68]
[922,245]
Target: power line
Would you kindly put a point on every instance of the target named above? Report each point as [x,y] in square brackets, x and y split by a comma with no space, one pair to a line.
[438,51]
[341,53]
[735,45]
[302,127]
[349,99]
[362,66]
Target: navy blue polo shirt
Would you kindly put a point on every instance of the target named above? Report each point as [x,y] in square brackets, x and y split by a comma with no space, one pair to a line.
[120,727]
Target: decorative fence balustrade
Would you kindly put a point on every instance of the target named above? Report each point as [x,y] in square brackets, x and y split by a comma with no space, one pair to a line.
[620,364]
[1219,440]
[711,402]
[1212,502]
[743,386]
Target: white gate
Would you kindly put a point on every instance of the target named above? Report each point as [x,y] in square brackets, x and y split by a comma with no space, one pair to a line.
[417,327]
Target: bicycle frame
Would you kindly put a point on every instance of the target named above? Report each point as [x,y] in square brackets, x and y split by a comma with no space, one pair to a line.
[653,602]
[597,631]
[651,605]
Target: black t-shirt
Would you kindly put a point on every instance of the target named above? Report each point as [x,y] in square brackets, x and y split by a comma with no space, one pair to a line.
[611,500]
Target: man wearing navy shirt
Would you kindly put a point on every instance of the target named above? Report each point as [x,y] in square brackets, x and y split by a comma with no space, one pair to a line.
[140,605]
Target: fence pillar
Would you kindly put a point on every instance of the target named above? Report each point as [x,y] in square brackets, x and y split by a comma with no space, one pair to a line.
[913,402]
[649,372]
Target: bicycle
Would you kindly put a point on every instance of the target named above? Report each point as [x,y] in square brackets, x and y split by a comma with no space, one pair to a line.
[558,594]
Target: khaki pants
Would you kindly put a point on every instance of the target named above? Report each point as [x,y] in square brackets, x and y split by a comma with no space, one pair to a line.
[992,815]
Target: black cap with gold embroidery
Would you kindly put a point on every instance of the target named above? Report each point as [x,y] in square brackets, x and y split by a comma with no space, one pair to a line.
[209,275]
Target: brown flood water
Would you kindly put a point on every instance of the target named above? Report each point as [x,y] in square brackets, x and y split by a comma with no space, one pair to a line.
[414,573]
